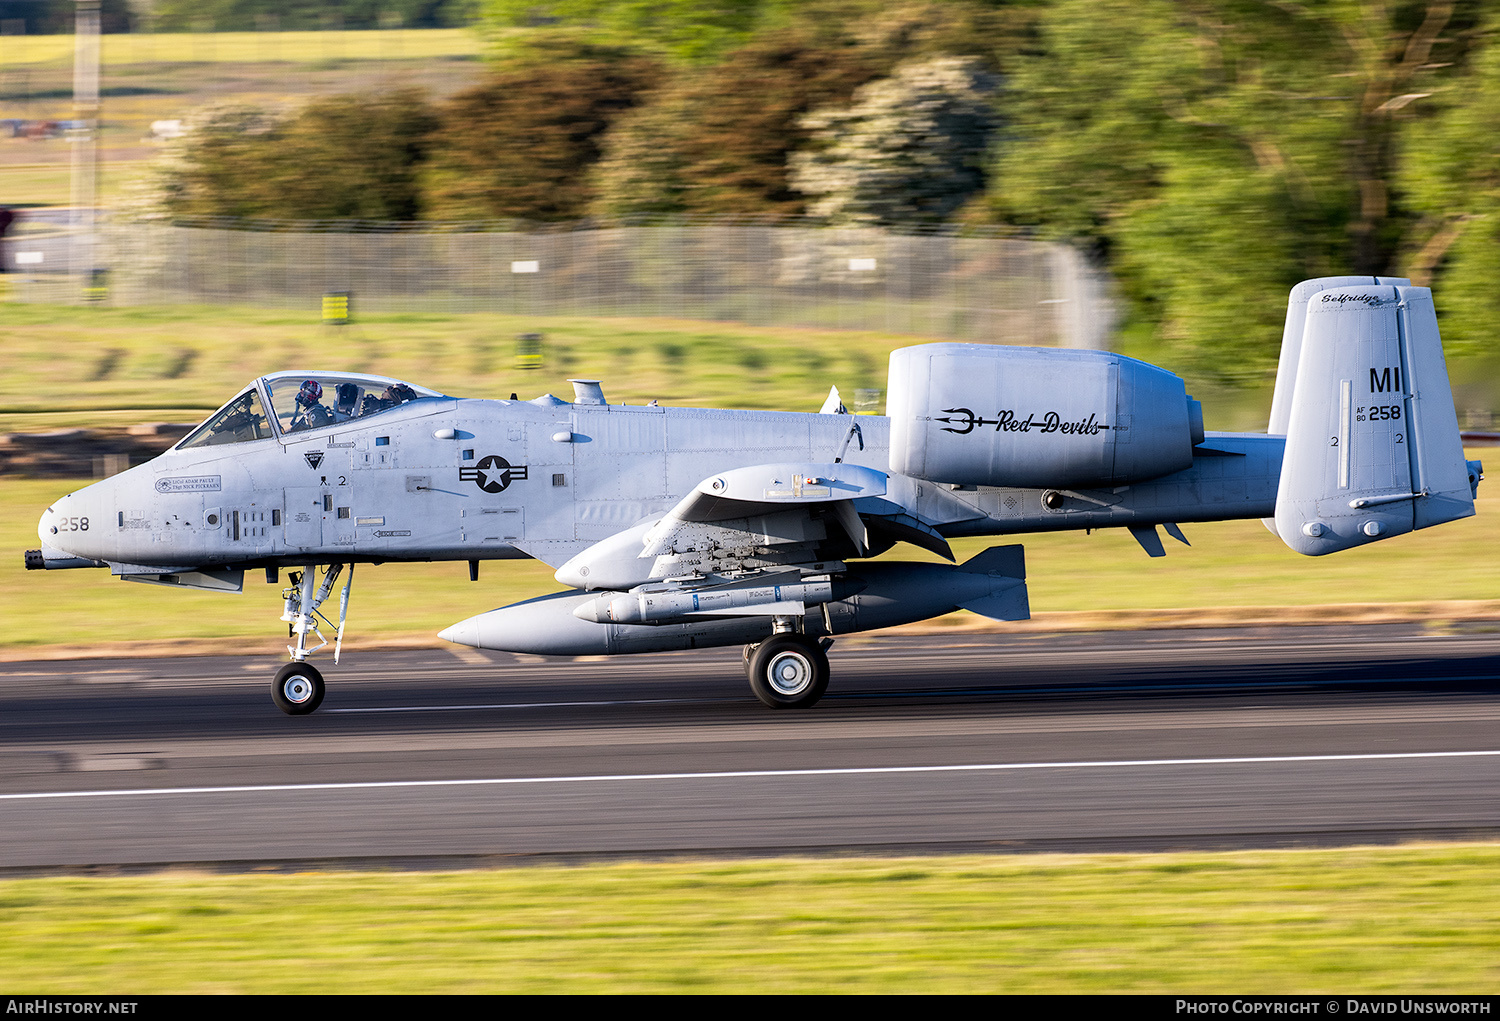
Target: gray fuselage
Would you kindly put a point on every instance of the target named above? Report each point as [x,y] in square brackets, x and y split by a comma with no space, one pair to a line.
[469,479]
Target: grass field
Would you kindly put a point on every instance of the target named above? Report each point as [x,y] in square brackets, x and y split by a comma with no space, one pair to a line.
[46,184]
[1403,920]
[61,365]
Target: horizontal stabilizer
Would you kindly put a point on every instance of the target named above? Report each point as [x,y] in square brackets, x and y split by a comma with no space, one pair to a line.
[1373,448]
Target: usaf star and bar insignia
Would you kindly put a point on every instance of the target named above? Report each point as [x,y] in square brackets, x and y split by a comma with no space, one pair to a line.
[493,473]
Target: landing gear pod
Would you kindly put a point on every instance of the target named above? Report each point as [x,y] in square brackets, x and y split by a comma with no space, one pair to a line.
[1373,448]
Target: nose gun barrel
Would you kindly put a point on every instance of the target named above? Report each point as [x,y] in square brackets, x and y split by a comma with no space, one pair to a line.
[48,559]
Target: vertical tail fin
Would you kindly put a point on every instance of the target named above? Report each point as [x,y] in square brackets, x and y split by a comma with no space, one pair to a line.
[1291,339]
[1291,347]
[1372,445]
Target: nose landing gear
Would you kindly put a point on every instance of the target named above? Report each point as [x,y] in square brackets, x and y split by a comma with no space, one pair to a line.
[298,688]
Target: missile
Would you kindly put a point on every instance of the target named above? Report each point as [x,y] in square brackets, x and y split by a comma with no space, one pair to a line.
[875,595]
[650,607]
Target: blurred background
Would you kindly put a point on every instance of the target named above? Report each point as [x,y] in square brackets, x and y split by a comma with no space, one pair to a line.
[1146,175]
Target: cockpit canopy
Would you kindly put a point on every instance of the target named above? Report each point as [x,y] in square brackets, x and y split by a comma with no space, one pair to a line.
[303,400]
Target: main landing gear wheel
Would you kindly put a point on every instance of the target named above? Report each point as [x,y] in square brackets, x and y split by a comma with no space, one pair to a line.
[298,689]
[789,671]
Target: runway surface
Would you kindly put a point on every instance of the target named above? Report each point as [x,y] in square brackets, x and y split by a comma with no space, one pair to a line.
[1169,739]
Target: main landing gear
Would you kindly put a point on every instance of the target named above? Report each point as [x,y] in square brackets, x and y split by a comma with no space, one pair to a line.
[298,688]
[788,670]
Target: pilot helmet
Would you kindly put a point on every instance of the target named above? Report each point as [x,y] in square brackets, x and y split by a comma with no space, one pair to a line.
[348,393]
[311,393]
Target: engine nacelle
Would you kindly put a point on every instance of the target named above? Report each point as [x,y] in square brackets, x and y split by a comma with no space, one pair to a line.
[979,414]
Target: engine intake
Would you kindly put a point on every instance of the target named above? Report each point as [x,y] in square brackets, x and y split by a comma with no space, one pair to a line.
[980,414]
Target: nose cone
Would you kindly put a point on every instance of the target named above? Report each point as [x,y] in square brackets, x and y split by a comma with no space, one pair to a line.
[60,524]
[75,524]
[462,633]
[595,611]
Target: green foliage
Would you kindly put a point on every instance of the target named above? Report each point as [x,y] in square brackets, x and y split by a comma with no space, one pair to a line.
[716,141]
[642,168]
[521,144]
[1214,152]
[909,148]
[692,30]
[341,157]
[303,15]
[1452,178]
[57,17]
[1208,153]
[1215,247]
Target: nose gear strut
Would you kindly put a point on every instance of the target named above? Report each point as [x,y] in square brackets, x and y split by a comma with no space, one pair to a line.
[298,688]
[302,602]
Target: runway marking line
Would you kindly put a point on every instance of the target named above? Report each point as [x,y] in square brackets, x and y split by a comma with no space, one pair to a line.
[747,774]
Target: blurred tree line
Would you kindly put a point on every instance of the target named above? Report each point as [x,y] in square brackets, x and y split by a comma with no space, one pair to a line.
[57,17]
[1209,153]
[307,15]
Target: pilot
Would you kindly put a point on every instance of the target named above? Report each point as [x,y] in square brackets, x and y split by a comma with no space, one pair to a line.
[310,412]
[346,395]
[370,405]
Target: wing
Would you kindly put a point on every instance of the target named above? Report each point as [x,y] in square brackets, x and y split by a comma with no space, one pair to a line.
[739,524]
[767,505]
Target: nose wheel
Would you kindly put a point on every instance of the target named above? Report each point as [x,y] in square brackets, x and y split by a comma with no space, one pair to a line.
[788,671]
[298,689]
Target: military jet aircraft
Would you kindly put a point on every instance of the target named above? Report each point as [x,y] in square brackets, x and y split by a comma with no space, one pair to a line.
[681,528]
